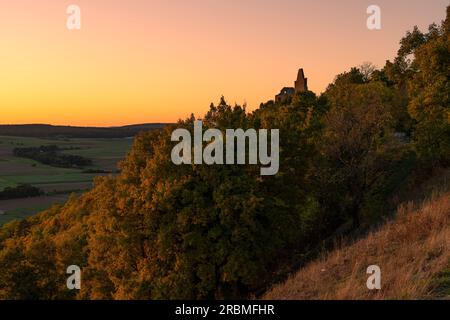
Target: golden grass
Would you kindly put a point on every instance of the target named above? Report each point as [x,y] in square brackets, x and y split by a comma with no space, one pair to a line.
[410,250]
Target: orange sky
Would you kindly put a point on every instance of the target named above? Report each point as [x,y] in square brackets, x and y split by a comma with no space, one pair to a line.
[157,61]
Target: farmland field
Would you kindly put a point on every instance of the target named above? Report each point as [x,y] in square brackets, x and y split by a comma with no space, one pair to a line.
[17,209]
[105,154]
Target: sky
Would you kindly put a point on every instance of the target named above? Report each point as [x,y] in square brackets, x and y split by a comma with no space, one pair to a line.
[142,61]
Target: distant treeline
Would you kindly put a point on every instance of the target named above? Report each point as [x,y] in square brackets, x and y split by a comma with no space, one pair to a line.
[49,131]
[21,191]
[51,155]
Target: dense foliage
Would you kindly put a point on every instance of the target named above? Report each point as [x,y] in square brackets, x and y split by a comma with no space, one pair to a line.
[20,191]
[196,231]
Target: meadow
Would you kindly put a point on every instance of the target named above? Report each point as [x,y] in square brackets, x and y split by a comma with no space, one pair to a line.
[57,183]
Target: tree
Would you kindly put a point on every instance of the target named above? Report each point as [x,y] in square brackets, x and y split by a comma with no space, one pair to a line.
[429,90]
[357,145]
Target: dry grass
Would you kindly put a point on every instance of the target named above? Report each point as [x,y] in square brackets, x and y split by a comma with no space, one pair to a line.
[411,251]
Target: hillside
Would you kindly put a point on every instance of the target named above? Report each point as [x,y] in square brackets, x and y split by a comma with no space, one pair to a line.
[49,131]
[413,252]
[161,229]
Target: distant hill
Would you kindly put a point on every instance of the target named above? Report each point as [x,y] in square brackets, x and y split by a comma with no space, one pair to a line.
[50,131]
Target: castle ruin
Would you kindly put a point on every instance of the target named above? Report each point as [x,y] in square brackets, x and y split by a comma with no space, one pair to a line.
[300,85]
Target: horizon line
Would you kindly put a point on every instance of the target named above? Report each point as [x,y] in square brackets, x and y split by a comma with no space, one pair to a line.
[84,126]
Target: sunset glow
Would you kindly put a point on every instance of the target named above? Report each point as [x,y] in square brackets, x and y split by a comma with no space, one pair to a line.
[158,61]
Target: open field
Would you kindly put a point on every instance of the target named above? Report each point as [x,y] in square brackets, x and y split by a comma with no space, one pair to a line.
[64,187]
[105,154]
[17,209]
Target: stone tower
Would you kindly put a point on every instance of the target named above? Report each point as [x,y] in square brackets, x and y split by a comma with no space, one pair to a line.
[301,84]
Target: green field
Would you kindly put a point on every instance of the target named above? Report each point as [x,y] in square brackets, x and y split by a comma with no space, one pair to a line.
[105,154]
[28,209]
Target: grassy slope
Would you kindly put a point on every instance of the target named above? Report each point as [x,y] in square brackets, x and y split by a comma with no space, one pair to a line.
[413,252]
